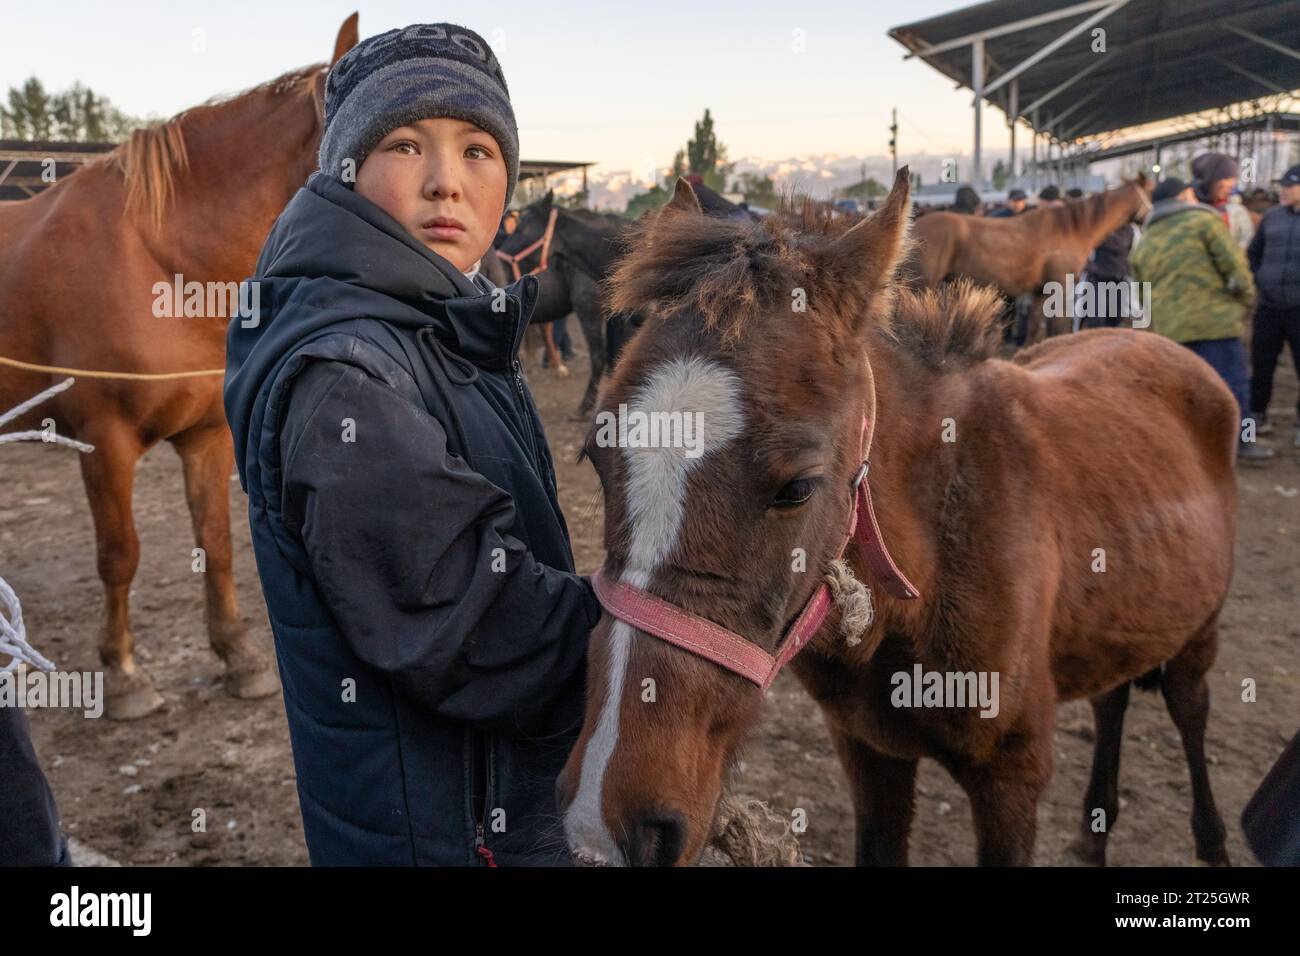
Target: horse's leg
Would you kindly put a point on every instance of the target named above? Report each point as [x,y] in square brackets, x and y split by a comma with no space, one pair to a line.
[1103,787]
[884,790]
[593,330]
[1004,794]
[109,476]
[1035,319]
[207,457]
[552,353]
[1187,696]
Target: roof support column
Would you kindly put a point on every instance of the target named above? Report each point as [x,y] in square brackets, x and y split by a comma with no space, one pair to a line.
[977,83]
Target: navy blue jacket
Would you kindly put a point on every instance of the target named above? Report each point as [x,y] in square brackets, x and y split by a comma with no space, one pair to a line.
[1274,256]
[430,629]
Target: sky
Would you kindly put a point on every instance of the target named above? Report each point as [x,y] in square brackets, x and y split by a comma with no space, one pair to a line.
[620,84]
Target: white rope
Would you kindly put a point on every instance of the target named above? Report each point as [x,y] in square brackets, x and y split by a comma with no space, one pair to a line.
[13,633]
[36,400]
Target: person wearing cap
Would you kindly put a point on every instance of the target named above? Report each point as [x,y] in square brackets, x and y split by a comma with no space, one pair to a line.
[1050,195]
[1200,290]
[429,626]
[1274,256]
[1214,178]
[1016,202]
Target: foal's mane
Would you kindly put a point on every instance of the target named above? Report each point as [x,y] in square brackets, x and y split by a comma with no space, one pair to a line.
[949,328]
[723,269]
[154,156]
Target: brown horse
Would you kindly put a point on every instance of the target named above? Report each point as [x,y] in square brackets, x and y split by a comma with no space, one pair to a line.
[1068,519]
[79,263]
[1022,254]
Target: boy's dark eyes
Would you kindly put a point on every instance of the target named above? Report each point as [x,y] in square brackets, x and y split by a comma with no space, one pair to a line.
[408,148]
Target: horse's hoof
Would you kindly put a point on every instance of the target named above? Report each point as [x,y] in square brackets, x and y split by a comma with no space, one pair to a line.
[129,696]
[1087,851]
[246,684]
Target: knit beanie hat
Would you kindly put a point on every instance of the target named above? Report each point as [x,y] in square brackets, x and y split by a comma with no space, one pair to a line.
[1211,167]
[423,71]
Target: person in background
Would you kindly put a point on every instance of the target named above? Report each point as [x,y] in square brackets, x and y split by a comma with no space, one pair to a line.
[1214,179]
[1200,290]
[1109,263]
[1016,203]
[1074,192]
[1274,256]
[968,202]
[1050,195]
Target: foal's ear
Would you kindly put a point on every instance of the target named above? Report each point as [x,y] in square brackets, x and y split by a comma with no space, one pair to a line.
[860,263]
[684,199]
[346,39]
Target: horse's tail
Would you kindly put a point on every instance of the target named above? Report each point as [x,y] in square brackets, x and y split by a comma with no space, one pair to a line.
[1150,680]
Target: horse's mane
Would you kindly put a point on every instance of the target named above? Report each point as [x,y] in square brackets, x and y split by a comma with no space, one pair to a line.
[723,269]
[948,328]
[154,155]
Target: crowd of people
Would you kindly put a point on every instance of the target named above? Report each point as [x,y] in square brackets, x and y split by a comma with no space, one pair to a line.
[1215,267]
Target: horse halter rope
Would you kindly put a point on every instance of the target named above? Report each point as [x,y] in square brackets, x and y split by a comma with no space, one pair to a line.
[729,650]
[544,241]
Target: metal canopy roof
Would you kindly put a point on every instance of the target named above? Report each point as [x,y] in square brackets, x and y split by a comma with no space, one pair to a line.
[1164,58]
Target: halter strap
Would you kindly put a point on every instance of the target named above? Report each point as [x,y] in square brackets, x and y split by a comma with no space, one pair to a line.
[731,651]
[544,241]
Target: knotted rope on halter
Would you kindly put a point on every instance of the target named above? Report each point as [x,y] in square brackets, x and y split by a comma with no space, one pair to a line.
[13,633]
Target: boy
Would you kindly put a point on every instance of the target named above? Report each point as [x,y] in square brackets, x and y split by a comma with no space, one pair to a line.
[430,629]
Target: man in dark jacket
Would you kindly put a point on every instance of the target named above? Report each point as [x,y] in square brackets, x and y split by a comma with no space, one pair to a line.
[430,629]
[1274,256]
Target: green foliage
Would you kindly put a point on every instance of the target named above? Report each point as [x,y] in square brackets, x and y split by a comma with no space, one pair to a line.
[758,190]
[1001,173]
[653,198]
[73,115]
[866,189]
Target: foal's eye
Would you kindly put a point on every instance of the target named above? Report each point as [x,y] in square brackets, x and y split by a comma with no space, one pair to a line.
[796,492]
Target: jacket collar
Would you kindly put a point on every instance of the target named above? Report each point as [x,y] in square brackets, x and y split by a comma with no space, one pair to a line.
[1173,207]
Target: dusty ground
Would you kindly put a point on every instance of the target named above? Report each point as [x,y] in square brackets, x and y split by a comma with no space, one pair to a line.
[130,790]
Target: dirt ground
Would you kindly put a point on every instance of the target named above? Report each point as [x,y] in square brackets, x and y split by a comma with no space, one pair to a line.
[129,790]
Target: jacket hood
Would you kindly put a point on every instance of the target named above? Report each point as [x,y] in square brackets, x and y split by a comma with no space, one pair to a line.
[1173,207]
[332,257]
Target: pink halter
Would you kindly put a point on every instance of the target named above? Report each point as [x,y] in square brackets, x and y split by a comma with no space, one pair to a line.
[729,650]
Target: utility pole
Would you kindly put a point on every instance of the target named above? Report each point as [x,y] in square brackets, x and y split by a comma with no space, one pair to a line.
[893,140]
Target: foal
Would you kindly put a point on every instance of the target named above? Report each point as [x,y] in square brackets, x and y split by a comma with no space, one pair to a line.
[1067,519]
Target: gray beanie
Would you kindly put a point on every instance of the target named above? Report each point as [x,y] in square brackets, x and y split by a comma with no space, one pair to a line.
[425,70]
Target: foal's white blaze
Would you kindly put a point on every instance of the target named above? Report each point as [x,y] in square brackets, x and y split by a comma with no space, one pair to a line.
[656,500]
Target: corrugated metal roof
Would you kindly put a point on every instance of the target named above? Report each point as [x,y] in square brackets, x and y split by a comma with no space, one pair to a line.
[1164,58]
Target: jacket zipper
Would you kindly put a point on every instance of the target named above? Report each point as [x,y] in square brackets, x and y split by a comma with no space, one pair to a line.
[527,418]
[481,774]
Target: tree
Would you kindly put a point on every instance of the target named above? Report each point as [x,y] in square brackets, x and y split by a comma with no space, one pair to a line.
[577,201]
[1001,173]
[29,115]
[76,114]
[705,156]
[758,190]
[866,189]
[652,198]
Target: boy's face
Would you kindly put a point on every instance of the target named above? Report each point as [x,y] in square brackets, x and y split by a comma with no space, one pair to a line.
[444,180]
